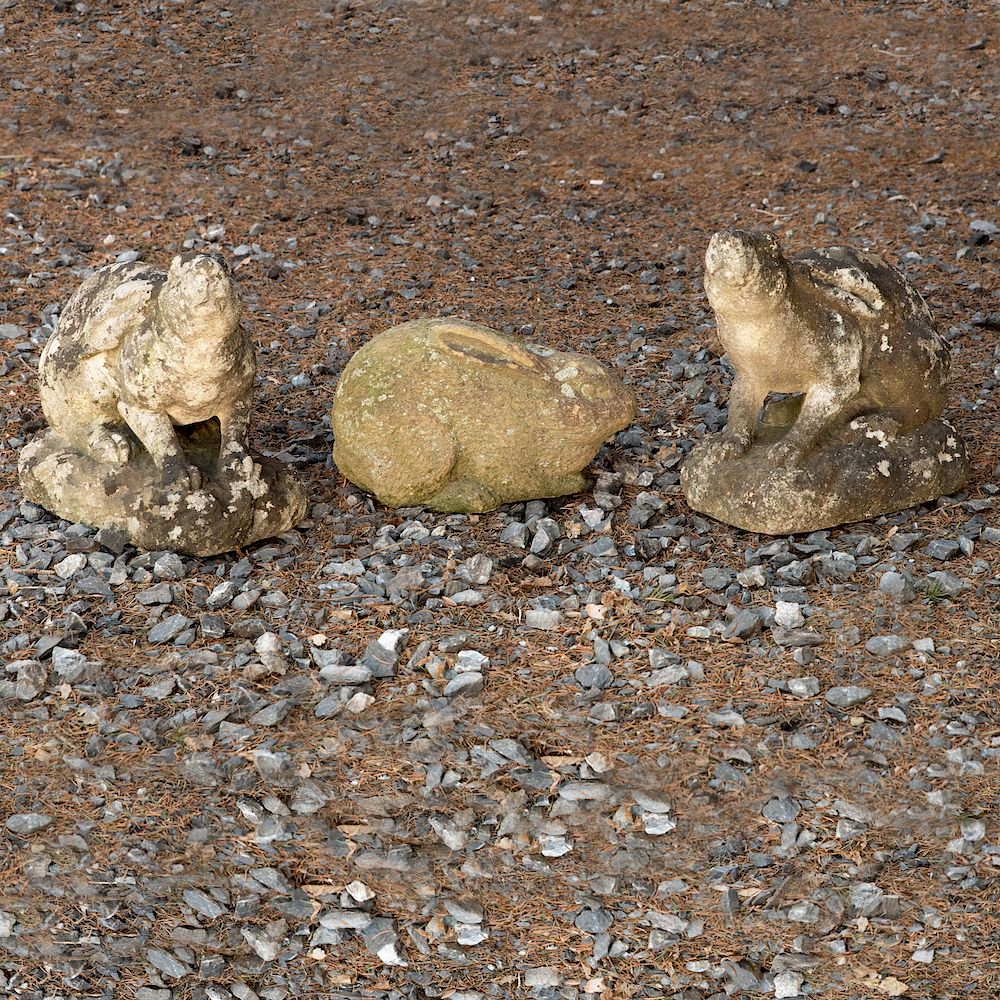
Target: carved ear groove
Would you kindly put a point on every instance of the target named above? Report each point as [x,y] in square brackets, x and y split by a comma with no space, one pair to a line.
[477,343]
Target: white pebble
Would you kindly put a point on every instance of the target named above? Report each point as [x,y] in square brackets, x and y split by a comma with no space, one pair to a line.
[787,614]
[357,703]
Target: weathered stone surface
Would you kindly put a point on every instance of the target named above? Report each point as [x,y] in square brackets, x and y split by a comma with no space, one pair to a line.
[458,418]
[852,478]
[147,386]
[852,336]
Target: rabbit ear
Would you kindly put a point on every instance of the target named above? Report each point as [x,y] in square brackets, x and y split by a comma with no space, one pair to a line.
[478,343]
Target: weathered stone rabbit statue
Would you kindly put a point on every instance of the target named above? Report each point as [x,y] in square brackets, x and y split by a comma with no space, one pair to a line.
[147,383]
[457,417]
[145,350]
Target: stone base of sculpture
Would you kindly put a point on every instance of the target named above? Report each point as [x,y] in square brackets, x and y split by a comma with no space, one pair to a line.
[235,506]
[862,472]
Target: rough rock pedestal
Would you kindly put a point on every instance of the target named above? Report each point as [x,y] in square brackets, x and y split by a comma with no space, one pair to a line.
[228,511]
[858,474]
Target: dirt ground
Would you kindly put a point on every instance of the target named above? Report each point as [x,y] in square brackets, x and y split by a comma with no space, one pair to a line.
[553,170]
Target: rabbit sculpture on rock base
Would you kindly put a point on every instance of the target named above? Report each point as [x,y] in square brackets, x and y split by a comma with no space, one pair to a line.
[853,342]
[455,417]
[147,385]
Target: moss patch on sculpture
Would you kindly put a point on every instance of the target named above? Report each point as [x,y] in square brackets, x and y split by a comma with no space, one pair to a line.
[453,416]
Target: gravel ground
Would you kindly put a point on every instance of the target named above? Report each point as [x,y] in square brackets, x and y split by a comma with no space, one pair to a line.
[596,746]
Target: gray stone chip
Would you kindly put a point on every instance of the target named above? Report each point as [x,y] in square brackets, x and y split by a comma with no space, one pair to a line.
[845,697]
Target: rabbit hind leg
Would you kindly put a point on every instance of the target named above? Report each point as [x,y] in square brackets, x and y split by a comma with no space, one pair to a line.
[469,496]
[464,496]
[107,445]
[403,458]
[567,484]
